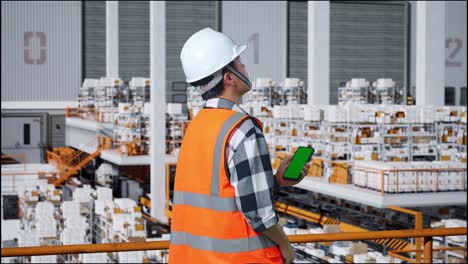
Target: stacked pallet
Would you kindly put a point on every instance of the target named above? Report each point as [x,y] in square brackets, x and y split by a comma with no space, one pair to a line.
[340,173]
[404,177]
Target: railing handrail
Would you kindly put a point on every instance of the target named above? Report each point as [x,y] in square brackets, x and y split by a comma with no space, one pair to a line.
[162,245]
[14,156]
[87,144]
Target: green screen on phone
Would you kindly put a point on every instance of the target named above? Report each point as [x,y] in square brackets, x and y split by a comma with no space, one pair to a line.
[300,158]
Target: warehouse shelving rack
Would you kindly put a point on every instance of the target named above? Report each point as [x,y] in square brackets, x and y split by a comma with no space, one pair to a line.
[396,143]
[370,95]
[425,132]
[359,95]
[357,143]
[127,133]
[175,127]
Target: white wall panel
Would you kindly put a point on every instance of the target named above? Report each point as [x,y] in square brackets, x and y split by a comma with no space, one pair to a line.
[262,26]
[45,64]
[455,43]
[297,40]
[367,40]
[183,18]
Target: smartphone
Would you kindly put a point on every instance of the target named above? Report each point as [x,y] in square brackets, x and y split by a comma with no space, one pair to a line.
[298,161]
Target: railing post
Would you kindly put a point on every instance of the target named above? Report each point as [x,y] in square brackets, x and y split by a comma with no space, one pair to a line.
[428,250]
[419,226]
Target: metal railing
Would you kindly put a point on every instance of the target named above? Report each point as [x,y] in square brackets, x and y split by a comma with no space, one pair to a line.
[427,234]
[14,159]
[418,221]
[22,170]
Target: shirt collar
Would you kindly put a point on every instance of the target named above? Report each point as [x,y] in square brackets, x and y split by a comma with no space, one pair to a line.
[224,104]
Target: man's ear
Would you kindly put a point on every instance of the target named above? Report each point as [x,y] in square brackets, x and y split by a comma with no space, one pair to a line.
[227,79]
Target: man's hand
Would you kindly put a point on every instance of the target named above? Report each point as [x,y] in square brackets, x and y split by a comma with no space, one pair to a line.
[284,164]
[288,254]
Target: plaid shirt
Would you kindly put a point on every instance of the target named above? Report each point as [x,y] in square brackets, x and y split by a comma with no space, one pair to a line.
[250,170]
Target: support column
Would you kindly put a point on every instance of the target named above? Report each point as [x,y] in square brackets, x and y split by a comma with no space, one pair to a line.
[112,39]
[318,48]
[430,52]
[158,109]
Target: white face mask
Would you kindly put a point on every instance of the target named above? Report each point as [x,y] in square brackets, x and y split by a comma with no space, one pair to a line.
[240,76]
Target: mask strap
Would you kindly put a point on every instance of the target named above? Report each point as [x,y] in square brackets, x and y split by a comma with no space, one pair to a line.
[239,75]
[218,76]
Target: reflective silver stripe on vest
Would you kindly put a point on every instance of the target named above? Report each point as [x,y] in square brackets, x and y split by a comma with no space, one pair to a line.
[220,245]
[205,201]
[219,150]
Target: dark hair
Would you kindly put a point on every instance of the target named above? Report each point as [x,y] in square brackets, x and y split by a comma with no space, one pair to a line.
[216,90]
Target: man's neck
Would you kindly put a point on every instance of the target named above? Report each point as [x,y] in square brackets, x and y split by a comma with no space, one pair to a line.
[233,98]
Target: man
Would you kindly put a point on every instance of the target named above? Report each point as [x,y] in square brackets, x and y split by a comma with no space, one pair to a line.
[223,210]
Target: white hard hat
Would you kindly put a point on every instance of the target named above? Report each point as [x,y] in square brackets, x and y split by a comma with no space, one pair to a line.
[206,52]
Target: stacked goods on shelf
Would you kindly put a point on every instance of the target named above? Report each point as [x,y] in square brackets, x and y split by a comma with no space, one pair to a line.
[359,91]
[51,194]
[176,124]
[451,133]
[118,220]
[86,98]
[450,256]
[92,214]
[293,91]
[109,93]
[395,142]
[104,174]
[195,101]
[333,252]
[353,132]
[43,218]
[386,92]
[75,225]
[423,141]
[44,259]
[401,177]
[145,129]
[39,220]
[103,209]
[122,112]
[127,132]
[259,100]
[364,133]
[130,256]
[312,130]
[316,167]
[277,158]
[83,203]
[343,134]
[95,258]
[338,147]
[139,91]
[127,219]
[450,223]
[339,173]
[355,91]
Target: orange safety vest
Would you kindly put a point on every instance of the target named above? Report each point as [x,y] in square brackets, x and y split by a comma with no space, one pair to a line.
[207,226]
